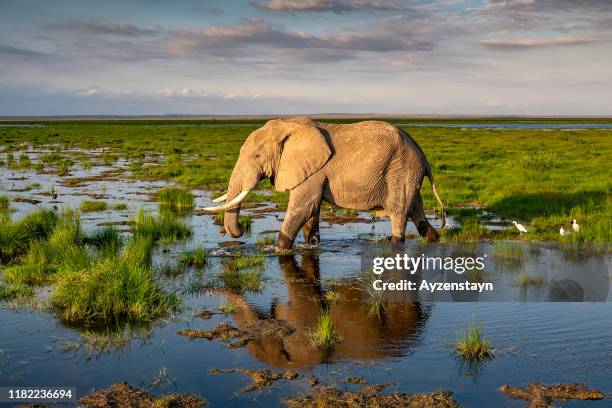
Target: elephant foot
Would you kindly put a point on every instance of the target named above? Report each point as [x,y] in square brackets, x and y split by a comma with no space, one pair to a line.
[284,242]
[426,230]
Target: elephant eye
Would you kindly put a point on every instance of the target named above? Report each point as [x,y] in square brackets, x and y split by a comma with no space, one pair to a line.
[257,156]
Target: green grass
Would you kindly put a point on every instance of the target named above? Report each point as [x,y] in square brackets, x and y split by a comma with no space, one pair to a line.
[10,292]
[176,199]
[244,261]
[245,220]
[120,206]
[4,203]
[543,178]
[165,227]
[228,307]
[324,336]
[16,236]
[243,273]
[112,289]
[267,239]
[64,248]
[195,257]
[93,206]
[105,238]
[471,344]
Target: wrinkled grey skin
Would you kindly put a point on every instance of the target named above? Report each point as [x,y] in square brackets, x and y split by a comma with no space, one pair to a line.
[364,166]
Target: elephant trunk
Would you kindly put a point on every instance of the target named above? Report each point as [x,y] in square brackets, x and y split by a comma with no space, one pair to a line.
[230,218]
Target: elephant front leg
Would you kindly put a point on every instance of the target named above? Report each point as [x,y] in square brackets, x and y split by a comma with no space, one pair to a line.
[302,211]
[311,229]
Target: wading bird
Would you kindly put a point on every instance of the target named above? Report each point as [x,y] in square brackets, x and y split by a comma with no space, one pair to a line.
[575,226]
[562,232]
[520,227]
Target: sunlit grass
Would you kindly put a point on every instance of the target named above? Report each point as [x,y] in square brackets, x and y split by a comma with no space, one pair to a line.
[111,289]
[267,239]
[16,236]
[176,199]
[195,257]
[324,336]
[542,177]
[245,220]
[471,345]
[93,206]
[165,227]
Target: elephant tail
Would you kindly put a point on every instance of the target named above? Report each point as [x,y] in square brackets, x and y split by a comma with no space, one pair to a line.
[435,191]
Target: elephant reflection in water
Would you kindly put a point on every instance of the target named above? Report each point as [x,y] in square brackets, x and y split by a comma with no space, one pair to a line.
[365,335]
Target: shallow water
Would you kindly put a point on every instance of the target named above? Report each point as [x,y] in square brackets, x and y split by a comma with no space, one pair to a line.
[411,345]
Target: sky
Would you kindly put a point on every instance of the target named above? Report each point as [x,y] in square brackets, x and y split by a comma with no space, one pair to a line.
[155,57]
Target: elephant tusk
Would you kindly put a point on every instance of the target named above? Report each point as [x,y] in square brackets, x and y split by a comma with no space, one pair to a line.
[220,199]
[231,204]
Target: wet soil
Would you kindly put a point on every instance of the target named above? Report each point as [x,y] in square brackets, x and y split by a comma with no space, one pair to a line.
[540,395]
[223,331]
[205,314]
[334,398]
[261,378]
[125,396]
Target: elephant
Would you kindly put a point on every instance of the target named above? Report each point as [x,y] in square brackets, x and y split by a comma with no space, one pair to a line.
[370,165]
[365,335]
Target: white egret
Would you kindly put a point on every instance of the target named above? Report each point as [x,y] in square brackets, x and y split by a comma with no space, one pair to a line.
[575,226]
[520,227]
[562,232]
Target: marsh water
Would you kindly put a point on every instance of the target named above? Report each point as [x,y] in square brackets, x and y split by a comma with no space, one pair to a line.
[411,345]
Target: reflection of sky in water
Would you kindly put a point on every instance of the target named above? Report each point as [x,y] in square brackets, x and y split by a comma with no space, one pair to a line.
[551,342]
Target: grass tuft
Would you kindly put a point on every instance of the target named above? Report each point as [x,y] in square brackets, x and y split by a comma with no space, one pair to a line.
[112,289]
[324,336]
[165,227]
[266,239]
[196,257]
[176,199]
[92,206]
[472,346]
[16,237]
[105,238]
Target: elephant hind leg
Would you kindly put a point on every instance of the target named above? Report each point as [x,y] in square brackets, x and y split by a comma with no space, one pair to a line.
[398,227]
[417,215]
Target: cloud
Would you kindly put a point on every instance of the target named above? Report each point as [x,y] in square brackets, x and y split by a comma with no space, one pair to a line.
[547,5]
[511,44]
[102,27]
[335,6]
[90,92]
[257,37]
[9,50]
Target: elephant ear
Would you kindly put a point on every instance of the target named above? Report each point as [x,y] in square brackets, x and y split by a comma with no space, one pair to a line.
[304,150]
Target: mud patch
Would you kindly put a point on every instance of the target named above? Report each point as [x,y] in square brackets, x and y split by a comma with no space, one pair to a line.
[333,398]
[26,200]
[124,395]
[261,378]
[355,380]
[205,314]
[222,331]
[539,395]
